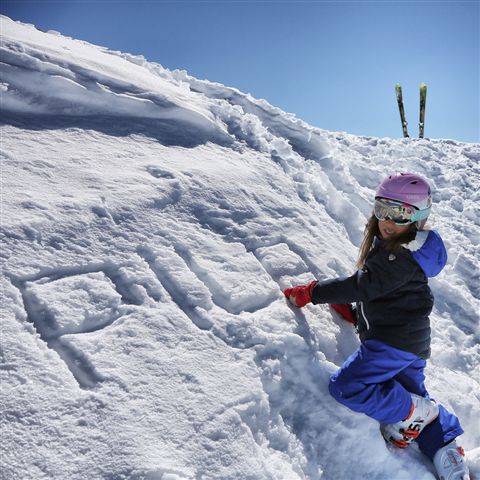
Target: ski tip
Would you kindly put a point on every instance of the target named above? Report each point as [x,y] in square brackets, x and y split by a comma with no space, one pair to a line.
[423,86]
[397,86]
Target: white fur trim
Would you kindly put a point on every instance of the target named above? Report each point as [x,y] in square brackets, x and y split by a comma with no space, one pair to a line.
[419,241]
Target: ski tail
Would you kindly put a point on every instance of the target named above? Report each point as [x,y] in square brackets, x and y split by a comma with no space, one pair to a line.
[423,100]
[398,90]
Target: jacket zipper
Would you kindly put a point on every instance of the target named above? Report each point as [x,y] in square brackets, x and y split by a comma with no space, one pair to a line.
[364,317]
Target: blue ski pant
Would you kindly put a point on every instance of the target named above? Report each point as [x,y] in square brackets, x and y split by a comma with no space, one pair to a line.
[377,380]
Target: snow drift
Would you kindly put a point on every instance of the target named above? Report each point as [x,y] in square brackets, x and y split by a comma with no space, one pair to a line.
[149,223]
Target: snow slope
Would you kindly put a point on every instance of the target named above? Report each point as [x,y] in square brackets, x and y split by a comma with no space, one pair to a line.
[149,223]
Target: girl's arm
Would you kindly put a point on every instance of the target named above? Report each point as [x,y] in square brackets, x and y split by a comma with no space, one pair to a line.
[382,274]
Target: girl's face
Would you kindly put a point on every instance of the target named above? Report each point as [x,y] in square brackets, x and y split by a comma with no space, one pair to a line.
[390,230]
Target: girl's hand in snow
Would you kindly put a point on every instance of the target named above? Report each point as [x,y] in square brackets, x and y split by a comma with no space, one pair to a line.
[301,294]
[345,310]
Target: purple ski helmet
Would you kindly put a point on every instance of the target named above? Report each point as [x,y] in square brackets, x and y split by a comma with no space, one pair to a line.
[408,188]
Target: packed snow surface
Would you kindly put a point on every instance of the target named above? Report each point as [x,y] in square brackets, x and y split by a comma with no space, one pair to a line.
[150,221]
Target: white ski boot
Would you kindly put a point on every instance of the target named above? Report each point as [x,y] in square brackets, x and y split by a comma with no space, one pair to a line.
[450,463]
[402,434]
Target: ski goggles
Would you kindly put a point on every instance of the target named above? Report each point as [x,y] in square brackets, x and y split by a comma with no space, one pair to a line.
[400,213]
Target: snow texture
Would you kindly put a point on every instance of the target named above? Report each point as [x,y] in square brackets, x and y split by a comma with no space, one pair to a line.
[150,221]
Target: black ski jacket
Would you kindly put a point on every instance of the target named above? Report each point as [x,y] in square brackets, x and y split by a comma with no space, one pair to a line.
[392,293]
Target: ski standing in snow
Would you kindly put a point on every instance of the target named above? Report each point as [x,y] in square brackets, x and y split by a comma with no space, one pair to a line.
[398,91]
[423,100]
[384,378]
[401,109]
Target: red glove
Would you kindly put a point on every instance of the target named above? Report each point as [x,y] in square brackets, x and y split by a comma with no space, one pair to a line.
[300,295]
[345,310]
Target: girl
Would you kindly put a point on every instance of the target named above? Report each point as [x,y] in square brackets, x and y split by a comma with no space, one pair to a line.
[384,378]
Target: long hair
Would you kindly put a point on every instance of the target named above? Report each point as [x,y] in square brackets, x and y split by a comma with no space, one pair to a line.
[372,231]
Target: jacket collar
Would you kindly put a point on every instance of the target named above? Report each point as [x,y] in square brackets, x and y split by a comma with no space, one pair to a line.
[428,251]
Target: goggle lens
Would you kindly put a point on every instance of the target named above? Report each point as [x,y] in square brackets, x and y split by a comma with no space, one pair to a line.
[400,213]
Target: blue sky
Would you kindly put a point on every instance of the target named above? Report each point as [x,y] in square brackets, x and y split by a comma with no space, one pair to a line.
[332,63]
